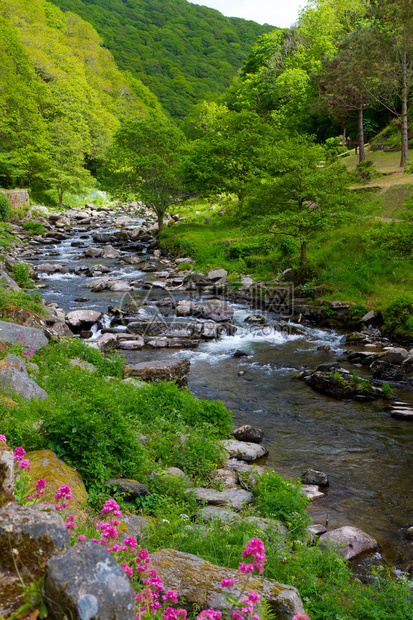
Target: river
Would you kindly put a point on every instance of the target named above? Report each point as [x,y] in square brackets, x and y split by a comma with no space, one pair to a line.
[366,453]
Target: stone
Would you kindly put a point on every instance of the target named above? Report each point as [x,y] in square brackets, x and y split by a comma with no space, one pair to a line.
[137,526]
[268,525]
[82,320]
[255,475]
[107,342]
[217,274]
[198,583]
[175,471]
[160,370]
[239,353]
[311,491]
[14,378]
[350,542]
[93,252]
[239,466]
[50,268]
[23,317]
[248,433]
[86,582]
[110,252]
[6,474]
[393,355]
[383,370]
[217,513]
[369,317]
[317,529]
[45,464]
[233,498]
[226,477]
[131,489]
[13,333]
[216,310]
[339,387]
[184,260]
[120,286]
[135,383]
[8,282]
[244,450]
[312,476]
[35,532]
[82,365]
[409,532]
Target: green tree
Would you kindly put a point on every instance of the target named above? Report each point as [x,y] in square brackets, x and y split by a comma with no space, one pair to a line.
[66,171]
[298,195]
[145,160]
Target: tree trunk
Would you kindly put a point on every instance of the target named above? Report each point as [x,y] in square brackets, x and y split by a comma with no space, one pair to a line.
[344,138]
[160,221]
[60,194]
[303,253]
[404,94]
[362,155]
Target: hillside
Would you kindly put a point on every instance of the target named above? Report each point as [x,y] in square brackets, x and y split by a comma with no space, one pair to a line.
[61,91]
[183,52]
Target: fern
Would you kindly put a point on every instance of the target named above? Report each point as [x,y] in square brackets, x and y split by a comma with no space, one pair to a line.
[266,611]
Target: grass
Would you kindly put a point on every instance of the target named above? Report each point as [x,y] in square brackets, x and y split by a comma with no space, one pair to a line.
[29,300]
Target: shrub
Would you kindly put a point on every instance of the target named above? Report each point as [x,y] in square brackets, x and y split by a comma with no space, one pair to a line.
[4,208]
[34,228]
[281,498]
[398,316]
[21,274]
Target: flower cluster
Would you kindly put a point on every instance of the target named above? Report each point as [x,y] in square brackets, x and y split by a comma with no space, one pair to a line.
[255,551]
[301,617]
[62,496]
[71,525]
[3,438]
[29,353]
[19,459]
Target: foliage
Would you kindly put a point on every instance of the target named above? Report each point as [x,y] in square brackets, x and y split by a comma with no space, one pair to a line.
[62,93]
[34,228]
[398,316]
[4,208]
[31,300]
[183,52]
[280,498]
[21,274]
[145,160]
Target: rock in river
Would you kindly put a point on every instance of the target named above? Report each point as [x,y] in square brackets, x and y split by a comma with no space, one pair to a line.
[248,433]
[244,450]
[81,320]
[350,541]
[160,370]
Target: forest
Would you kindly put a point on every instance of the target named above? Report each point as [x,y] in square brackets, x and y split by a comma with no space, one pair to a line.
[183,52]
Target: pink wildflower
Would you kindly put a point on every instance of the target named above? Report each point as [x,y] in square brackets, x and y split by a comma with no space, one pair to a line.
[19,453]
[227,583]
[3,438]
[255,551]
[24,464]
[210,614]
[301,617]
[170,595]
[127,569]
[81,537]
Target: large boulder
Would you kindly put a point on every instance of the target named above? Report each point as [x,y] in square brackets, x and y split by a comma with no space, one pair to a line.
[232,498]
[243,450]
[313,476]
[23,317]
[45,464]
[14,378]
[13,333]
[198,583]
[217,274]
[86,582]
[81,320]
[110,252]
[215,310]
[6,474]
[248,433]
[131,489]
[350,541]
[35,532]
[160,370]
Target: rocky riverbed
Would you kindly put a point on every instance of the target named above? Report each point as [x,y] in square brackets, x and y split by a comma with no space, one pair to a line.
[104,279]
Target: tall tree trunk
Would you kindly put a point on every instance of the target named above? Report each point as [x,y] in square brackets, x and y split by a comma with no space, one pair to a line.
[362,154]
[404,94]
[60,194]
[344,138]
[160,215]
[303,253]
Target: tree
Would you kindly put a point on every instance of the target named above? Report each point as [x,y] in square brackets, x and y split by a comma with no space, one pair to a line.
[393,20]
[145,160]
[66,172]
[347,83]
[298,196]
[229,156]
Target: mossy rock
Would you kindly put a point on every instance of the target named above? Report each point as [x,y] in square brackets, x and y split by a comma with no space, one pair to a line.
[45,464]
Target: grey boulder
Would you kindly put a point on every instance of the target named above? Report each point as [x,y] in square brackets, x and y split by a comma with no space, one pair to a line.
[160,370]
[10,332]
[350,541]
[248,433]
[131,489]
[86,582]
[14,378]
[233,498]
[243,450]
[79,320]
[312,476]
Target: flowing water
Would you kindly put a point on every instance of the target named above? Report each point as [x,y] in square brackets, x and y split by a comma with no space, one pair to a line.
[366,453]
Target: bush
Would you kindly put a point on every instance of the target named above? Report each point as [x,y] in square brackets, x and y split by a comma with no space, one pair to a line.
[398,316]
[21,274]
[282,499]
[4,208]
[34,228]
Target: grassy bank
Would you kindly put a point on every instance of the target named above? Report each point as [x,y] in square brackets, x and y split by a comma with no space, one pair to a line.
[368,261]
[96,425]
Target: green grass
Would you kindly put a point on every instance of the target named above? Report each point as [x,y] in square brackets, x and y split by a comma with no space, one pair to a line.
[30,300]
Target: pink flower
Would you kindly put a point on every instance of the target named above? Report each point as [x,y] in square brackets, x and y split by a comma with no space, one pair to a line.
[127,569]
[255,551]
[301,617]
[3,438]
[131,542]
[210,614]
[254,597]
[24,464]
[19,454]
[170,595]
[227,583]
[81,537]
